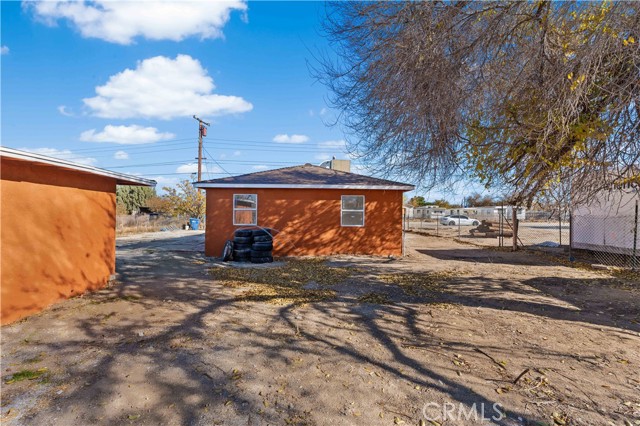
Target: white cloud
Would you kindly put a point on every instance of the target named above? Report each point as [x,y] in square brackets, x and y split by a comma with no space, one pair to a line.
[260,167]
[335,144]
[237,153]
[4,50]
[164,88]
[122,21]
[189,168]
[323,111]
[62,109]
[63,154]
[193,168]
[323,157]
[125,135]
[121,155]
[285,138]
[164,181]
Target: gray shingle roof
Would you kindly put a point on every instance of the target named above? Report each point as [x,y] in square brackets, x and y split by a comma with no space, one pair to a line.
[305,176]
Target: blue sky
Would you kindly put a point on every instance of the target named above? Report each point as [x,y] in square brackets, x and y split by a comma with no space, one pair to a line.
[266,110]
[115,85]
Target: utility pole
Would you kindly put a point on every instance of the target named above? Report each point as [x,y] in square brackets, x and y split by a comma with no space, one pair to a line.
[202,131]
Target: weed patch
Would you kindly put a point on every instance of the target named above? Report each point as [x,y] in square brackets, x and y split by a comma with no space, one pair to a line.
[27,375]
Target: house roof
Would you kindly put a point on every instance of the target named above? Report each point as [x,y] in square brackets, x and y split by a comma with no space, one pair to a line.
[121,178]
[306,176]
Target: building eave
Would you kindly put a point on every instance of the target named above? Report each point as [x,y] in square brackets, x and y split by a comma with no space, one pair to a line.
[121,178]
[204,185]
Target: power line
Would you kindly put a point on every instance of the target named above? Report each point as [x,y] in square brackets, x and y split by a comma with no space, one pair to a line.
[184,148]
[174,141]
[145,145]
[176,173]
[133,146]
[75,155]
[249,141]
[107,152]
[219,165]
[165,163]
[182,162]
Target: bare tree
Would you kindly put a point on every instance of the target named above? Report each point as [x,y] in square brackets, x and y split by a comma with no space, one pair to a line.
[519,95]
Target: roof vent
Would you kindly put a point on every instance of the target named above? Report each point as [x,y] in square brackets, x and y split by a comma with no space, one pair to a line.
[334,164]
[307,164]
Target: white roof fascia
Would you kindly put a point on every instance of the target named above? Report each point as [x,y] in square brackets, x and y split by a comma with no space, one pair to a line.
[205,185]
[44,159]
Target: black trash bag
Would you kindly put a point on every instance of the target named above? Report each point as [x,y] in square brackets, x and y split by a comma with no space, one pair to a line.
[227,251]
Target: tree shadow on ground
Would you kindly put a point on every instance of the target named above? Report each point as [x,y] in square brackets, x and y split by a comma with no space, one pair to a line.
[485,255]
[197,352]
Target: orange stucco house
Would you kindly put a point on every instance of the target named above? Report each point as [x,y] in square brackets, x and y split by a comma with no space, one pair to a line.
[57,230]
[313,210]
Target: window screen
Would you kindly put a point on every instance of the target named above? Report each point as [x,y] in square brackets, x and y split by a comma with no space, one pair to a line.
[352,211]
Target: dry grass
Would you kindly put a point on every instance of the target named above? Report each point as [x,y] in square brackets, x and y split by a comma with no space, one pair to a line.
[284,285]
[297,272]
[131,224]
[418,284]
[284,295]
[375,298]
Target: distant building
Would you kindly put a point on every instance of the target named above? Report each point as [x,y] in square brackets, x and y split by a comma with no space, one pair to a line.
[409,211]
[466,211]
[494,212]
[429,212]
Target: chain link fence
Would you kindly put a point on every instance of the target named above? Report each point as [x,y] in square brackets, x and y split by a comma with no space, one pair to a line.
[542,229]
[494,227]
[611,239]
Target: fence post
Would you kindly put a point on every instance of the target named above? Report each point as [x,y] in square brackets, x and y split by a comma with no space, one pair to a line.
[635,239]
[514,216]
[571,259]
[560,223]
[500,228]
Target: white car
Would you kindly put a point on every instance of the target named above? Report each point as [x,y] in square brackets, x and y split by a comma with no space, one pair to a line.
[457,219]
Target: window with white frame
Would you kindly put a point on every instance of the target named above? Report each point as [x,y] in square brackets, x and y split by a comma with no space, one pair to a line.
[352,210]
[245,209]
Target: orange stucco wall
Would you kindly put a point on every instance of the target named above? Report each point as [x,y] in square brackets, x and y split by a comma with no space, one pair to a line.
[308,221]
[57,235]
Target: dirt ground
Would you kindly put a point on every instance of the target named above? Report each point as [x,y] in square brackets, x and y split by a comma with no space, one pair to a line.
[487,336]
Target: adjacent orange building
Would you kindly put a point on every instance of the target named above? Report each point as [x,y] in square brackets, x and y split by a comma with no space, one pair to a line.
[57,230]
[313,211]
